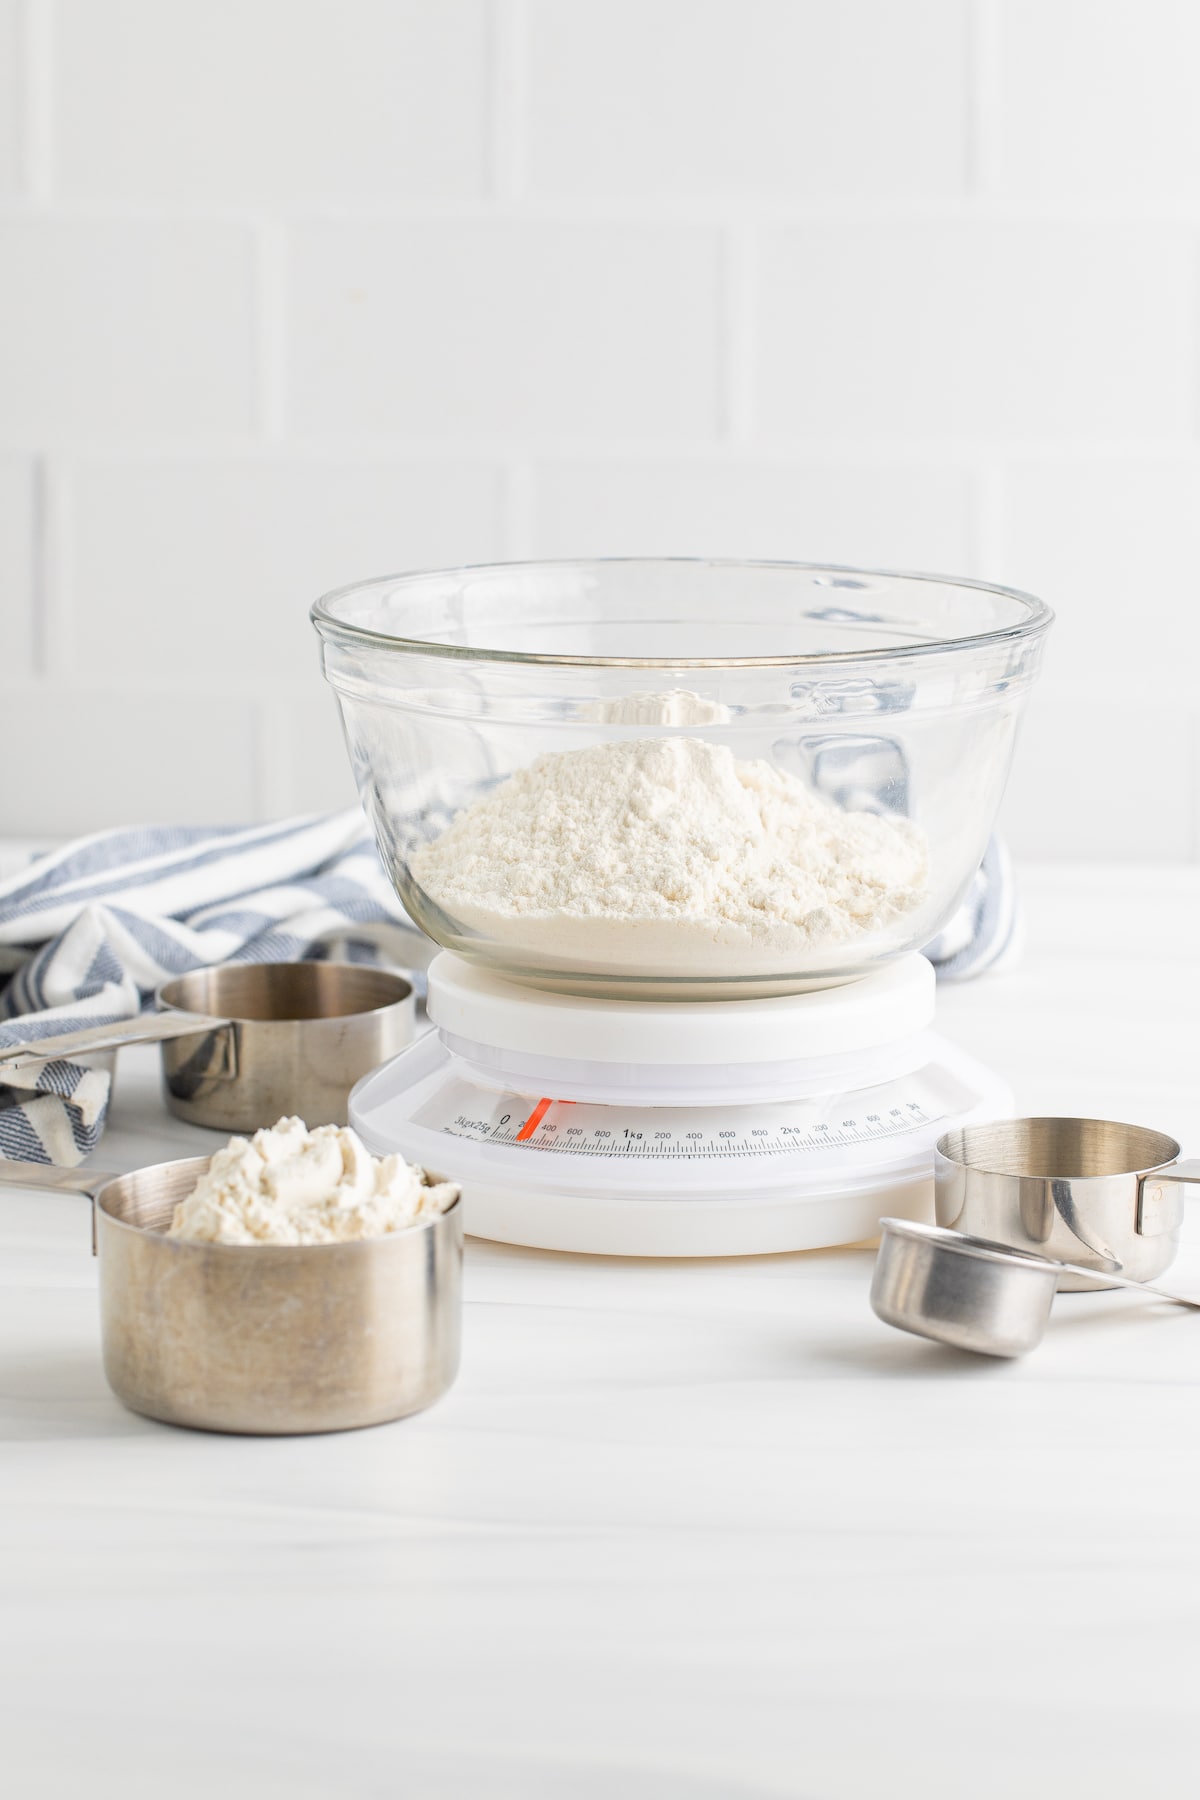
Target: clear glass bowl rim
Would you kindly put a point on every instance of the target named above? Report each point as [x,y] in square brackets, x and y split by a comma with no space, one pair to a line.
[1038,620]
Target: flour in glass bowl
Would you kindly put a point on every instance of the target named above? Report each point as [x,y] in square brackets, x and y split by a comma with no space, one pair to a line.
[668,855]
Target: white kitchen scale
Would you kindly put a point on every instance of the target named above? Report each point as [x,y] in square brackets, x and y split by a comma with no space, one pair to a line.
[678,1128]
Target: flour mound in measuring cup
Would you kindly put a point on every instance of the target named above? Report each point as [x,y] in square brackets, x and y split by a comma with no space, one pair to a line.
[289,1185]
[668,853]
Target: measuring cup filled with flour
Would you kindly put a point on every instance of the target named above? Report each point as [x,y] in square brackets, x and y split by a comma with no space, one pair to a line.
[681,830]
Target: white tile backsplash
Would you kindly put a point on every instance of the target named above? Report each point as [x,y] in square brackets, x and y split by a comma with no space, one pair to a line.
[16,567]
[1116,543]
[120,329]
[718,97]
[503,329]
[1103,775]
[306,765]
[246,101]
[1098,99]
[126,755]
[888,517]
[1005,330]
[205,567]
[293,292]
[12,38]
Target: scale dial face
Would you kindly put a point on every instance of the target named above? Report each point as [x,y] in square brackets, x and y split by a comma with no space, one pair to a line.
[681,1134]
[429,1107]
[636,1180]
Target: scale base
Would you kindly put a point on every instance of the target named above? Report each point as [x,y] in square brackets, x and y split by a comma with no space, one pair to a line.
[748,1225]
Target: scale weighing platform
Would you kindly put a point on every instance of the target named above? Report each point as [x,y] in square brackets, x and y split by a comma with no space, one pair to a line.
[678,1128]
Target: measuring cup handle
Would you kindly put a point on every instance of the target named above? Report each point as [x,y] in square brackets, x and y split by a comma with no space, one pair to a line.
[1161,1197]
[149,1028]
[53,1180]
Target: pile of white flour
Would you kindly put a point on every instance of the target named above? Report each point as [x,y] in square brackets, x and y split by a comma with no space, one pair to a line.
[667,854]
[289,1185]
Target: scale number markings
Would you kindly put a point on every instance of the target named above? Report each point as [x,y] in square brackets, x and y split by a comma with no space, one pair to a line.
[562,1127]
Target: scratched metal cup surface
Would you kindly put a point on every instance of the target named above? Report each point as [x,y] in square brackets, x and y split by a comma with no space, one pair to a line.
[245,1043]
[1090,1191]
[271,1339]
[967,1295]
[263,1339]
[298,1037]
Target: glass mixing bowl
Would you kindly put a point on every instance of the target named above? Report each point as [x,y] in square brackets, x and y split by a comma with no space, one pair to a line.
[650,851]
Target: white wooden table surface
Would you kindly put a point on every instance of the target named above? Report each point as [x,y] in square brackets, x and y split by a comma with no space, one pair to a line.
[679,1530]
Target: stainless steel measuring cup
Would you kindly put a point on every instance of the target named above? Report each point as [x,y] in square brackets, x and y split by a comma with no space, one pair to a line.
[1104,1195]
[245,1043]
[264,1339]
[972,1294]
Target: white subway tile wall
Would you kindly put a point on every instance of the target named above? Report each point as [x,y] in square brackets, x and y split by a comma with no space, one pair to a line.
[293,292]
[1103,782]
[1117,543]
[993,330]
[1099,99]
[910,518]
[17,528]
[785,97]
[114,330]
[251,102]
[503,328]
[11,46]
[90,757]
[202,567]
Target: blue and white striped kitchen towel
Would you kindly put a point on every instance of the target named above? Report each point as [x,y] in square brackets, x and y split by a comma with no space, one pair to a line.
[87,933]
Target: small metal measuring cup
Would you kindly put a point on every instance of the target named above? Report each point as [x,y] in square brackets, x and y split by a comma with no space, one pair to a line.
[245,1043]
[972,1294]
[1089,1191]
[264,1339]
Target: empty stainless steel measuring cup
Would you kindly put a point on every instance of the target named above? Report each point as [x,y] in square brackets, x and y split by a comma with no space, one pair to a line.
[245,1043]
[1105,1195]
[263,1339]
[971,1294]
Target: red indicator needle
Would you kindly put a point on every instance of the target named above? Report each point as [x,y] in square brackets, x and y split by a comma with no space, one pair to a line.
[534,1120]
